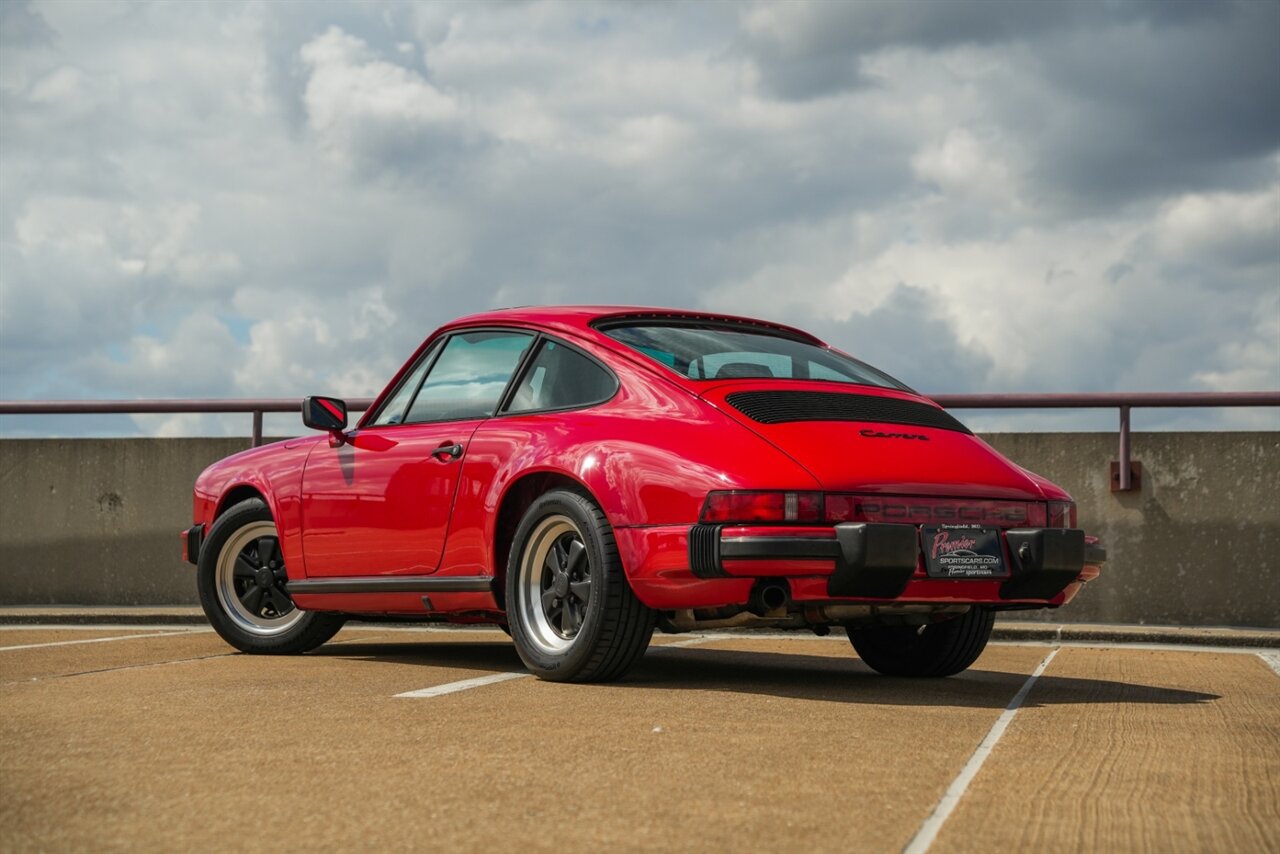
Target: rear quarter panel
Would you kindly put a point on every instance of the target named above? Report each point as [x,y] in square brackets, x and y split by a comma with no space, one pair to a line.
[649,456]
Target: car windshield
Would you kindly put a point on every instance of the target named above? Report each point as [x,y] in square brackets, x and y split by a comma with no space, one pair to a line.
[724,351]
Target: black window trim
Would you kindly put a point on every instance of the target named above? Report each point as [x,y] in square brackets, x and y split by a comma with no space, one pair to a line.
[758,327]
[433,352]
[429,354]
[527,365]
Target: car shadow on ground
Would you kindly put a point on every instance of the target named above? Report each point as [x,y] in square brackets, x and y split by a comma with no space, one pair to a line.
[848,680]
[812,678]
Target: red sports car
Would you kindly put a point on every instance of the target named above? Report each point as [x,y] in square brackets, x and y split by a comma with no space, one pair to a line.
[581,475]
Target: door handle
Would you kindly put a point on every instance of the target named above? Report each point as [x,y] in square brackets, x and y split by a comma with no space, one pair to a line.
[451,451]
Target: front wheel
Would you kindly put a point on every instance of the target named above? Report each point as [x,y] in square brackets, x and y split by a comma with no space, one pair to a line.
[241,579]
[571,611]
[935,649]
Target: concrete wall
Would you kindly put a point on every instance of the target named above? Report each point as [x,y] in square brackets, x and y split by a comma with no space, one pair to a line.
[96,521]
[1198,545]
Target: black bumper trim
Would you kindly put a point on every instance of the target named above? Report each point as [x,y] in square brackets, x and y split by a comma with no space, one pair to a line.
[704,551]
[877,560]
[391,584]
[778,548]
[1043,561]
[195,537]
[873,561]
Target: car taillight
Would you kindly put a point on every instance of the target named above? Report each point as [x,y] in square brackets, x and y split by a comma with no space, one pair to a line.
[933,511]
[740,506]
[1062,514]
[743,506]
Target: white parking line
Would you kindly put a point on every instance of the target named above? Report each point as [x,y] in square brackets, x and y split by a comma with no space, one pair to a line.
[1124,646]
[103,640]
[681,644]
[102,627]
[1273,659]
[463,685]
[494,678]
[928,831]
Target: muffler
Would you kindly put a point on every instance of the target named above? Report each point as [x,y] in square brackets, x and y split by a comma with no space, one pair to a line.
[769,599]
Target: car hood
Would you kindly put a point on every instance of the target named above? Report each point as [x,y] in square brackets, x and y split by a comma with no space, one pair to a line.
[872,440]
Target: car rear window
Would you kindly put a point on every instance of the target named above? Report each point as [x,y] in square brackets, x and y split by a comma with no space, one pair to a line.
[719,352]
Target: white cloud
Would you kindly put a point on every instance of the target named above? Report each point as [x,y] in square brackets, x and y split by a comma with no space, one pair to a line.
[158,241]
[963,166]
[1230,229]
[280,199]
[1250,361]
[351,92]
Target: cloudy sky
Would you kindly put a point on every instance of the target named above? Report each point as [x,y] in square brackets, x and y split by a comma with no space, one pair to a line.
[274,199]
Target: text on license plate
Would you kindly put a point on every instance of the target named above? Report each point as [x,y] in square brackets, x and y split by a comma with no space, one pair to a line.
[962,551]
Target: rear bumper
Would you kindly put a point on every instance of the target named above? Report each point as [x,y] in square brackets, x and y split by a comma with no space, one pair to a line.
[872,561]
[718,564]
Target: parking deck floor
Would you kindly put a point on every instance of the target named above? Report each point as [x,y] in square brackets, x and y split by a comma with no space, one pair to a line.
[163,739]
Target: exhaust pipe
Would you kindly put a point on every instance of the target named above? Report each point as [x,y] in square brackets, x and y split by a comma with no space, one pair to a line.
[769,599]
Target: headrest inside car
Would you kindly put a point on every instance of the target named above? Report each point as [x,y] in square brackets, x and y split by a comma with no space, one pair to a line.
[735,370]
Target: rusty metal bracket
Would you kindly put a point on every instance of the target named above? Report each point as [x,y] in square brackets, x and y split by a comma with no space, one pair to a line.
[1135,477]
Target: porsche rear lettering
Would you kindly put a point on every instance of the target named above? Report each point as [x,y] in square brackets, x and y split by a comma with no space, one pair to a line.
[943,512]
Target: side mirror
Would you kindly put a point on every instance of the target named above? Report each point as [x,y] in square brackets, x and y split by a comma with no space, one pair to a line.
[324,413]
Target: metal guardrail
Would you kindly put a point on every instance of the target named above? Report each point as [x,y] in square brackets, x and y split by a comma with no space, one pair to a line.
[256,406]
[1125,473]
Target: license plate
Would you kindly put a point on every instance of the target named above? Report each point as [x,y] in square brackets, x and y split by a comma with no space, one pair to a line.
[963,551]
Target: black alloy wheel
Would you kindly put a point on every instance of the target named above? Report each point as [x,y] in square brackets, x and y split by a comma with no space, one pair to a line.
[244,587]
[570,607]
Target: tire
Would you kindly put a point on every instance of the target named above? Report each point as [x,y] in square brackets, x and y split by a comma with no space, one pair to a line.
[240,577]
[933,650]
[571,610]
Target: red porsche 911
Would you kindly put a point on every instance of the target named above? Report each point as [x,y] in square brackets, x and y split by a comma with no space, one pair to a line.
[582,475]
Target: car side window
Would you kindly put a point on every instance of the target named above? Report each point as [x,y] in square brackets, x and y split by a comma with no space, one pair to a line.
[468,378]
[560,377]
[393,410]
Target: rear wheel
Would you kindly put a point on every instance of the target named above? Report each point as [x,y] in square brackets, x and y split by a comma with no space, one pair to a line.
[241,579]
[571,611]
[936,649]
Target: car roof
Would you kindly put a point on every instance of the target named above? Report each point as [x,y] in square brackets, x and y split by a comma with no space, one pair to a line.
[578,319]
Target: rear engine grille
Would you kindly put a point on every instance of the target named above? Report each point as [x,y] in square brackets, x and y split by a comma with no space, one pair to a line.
[782,407]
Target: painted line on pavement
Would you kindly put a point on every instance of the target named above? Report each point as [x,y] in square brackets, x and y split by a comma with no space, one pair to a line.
[100,627]
[687,642]
[494,678]
[1121,646]
[463,685]
[1272,659]
[928,831]
[103,640]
